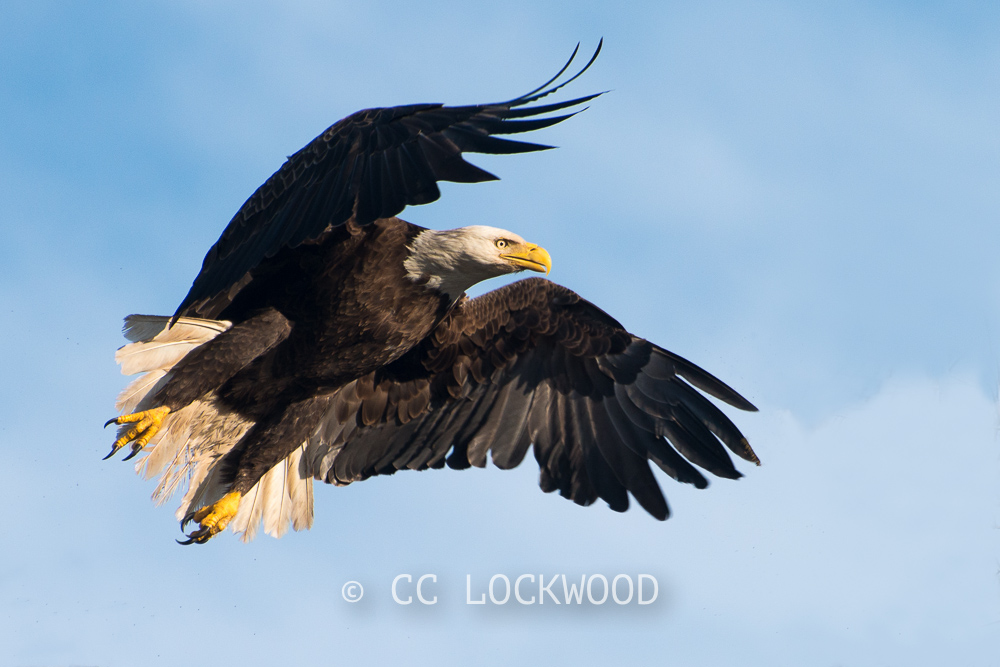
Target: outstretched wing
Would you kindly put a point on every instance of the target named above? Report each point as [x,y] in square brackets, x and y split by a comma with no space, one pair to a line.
[533,363]
[367,166]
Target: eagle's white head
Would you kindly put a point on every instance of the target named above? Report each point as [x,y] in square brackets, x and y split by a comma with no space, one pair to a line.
[454,260]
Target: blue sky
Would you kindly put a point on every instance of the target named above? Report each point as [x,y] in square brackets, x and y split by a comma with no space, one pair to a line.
[800,197]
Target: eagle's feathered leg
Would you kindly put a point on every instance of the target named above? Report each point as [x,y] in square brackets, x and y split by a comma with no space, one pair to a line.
[272,439]
[265,445]
[204,369]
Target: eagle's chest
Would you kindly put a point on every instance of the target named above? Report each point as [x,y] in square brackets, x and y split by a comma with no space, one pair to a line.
[367,336]
[375,316]
[351,306]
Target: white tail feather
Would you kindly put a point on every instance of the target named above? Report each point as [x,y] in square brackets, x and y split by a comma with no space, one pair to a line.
[128,401]
[300,490]
[143,328]
[277,507]
[167,345]
[280,497]
[191,442]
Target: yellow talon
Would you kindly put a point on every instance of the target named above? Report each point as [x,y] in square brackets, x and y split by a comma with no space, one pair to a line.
[212,519]
[149,422]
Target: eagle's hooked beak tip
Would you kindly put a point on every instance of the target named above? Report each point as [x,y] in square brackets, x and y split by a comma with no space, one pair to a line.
[532,258]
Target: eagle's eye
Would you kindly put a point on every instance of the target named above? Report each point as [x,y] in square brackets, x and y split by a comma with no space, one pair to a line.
[501,243]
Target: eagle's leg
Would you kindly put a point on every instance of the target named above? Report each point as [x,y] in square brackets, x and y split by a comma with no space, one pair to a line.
[149,422]
[212,519]
[205,368]
[272,439]
[265,445]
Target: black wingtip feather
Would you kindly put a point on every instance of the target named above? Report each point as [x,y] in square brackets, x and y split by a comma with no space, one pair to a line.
[665,363]
[565,67]
[544,90]
[527,112]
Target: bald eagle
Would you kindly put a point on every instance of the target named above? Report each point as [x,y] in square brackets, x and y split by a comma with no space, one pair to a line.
[325,338]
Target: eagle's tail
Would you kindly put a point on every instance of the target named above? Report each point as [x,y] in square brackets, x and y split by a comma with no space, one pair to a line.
[191,442]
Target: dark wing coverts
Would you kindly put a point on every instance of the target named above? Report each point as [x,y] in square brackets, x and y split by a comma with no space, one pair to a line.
[533,363]
[367,166]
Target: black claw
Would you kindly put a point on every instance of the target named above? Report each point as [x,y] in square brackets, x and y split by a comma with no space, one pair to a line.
[197,537]
[134,452]
[114,450]
[110,422]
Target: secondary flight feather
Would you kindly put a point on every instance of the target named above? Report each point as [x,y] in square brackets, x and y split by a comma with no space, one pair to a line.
[324,338]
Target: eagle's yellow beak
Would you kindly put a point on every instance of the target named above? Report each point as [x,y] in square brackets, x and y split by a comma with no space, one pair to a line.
[531,257]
